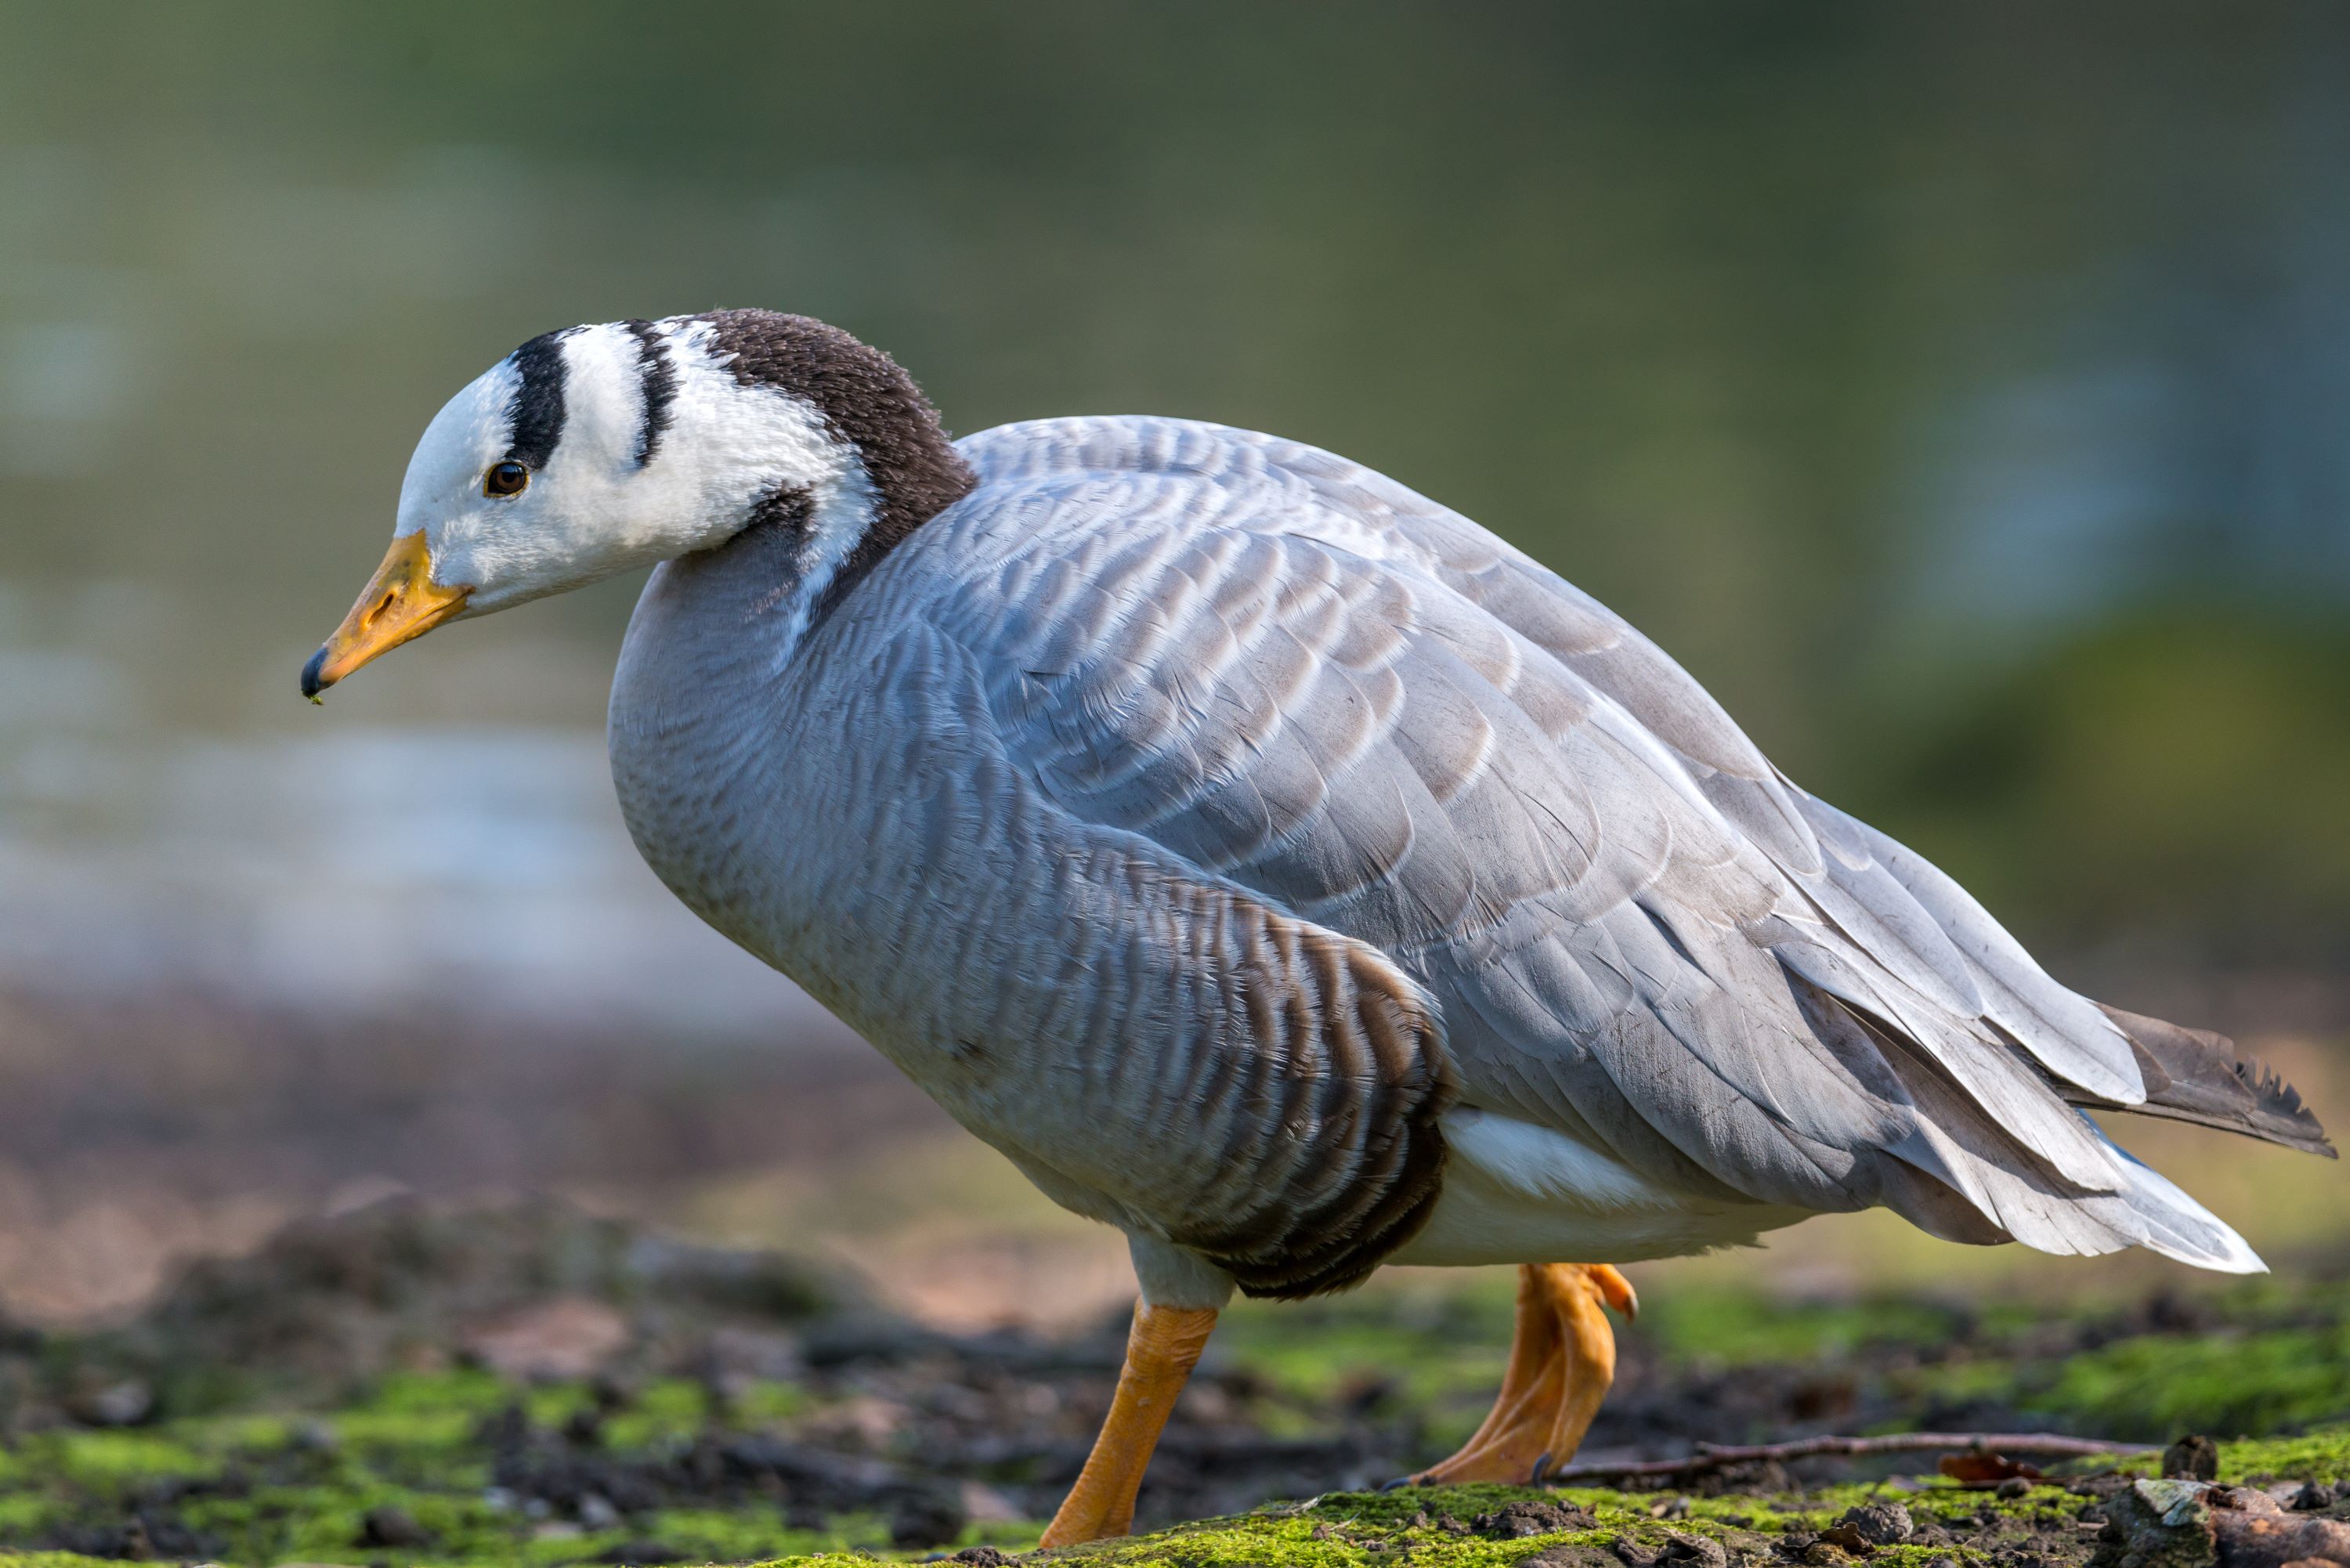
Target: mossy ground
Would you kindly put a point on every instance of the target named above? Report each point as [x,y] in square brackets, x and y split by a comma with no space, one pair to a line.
[2254,1357]
[864,1437]
[269,1489]
[1431,1527]
[280,1486]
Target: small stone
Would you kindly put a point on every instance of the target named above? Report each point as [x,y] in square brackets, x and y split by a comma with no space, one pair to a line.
[2158,1524]
[1565,1556]
[312,1437]
[1695,1551]
[597,1512]
[131,1541]
[1879,1524]
[2012,1486]
[2192,1458]
[1516,1520]
[2313,1497]
[123,1404]
[2172,1502]
[391,1526]
[2249,1539]
[921,1518]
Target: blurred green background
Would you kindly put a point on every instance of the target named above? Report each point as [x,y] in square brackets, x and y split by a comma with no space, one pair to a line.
[1962,392]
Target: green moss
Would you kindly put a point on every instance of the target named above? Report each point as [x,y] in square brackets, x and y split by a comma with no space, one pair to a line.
[2320,1455]
[2282,1361]
[437,1393]
[1311,1541]
[22,1515]
[277,1523]
[109,1459]
[422,1412]
[1733,1329]
[762,1403]
[553,1404]
[720,1535]
[1445,1355]
[2219,1383]
[672,1408]
[1376,1528]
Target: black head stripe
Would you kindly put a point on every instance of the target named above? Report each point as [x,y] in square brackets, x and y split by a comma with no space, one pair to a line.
[536,411]
[658,378]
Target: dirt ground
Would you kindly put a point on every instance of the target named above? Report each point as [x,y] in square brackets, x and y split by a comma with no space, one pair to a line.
[192,1370]
[528,1384]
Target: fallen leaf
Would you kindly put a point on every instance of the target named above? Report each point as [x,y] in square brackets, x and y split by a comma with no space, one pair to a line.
[1981,1468]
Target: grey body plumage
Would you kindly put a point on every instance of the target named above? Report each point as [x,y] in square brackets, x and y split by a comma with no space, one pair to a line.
[1214,825]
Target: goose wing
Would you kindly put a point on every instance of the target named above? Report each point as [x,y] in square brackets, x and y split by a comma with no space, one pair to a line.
[1304,679]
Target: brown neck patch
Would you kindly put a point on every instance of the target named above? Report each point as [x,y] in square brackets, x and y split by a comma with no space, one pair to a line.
[868,402]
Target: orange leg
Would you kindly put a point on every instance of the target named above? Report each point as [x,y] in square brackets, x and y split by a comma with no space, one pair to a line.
[1561,1361]
[1160,1351]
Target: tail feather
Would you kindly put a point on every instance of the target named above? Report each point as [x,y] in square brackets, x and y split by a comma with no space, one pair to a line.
[2192,1075]
[1965,1176]
[2170,1222]
[2012,1205]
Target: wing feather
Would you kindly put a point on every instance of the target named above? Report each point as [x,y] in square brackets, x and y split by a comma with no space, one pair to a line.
[1302,677]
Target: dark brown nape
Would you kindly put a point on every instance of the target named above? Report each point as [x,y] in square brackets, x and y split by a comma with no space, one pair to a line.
[868,402]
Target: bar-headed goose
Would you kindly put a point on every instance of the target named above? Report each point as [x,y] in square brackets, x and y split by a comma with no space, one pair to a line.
[1269,861]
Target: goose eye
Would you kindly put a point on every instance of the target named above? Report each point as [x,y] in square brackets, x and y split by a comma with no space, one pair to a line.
[505,479]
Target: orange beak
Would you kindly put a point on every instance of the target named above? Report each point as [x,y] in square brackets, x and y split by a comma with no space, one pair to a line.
[401,603]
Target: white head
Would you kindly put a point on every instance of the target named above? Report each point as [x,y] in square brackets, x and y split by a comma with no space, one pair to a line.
[598,449]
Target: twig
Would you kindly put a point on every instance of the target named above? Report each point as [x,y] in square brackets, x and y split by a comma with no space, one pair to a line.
[1715,1456]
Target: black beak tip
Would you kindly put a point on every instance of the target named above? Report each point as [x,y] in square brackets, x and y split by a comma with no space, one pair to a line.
[311,684]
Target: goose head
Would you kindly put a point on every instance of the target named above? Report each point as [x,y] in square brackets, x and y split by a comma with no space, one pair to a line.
[598,449]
